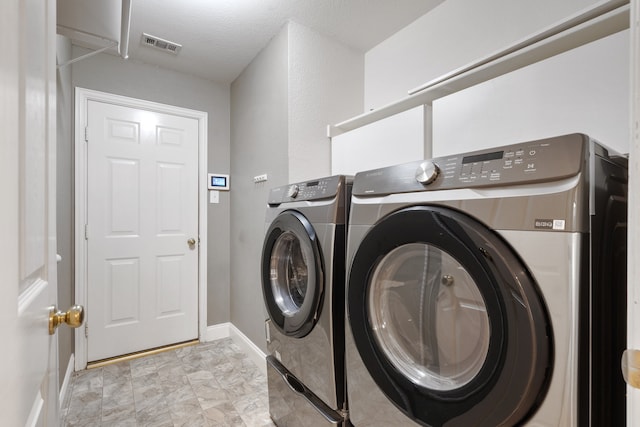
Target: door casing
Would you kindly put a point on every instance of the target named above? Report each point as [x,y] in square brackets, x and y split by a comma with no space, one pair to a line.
[82,97]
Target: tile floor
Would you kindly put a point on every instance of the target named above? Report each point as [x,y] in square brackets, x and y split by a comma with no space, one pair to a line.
[208,384]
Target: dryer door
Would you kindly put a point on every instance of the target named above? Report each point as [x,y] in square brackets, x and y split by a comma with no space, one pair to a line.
[448,321]
[292,274]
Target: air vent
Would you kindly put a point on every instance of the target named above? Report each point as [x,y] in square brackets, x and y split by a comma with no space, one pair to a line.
[161,44]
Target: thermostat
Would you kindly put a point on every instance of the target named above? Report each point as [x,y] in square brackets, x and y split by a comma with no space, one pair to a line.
[218,181]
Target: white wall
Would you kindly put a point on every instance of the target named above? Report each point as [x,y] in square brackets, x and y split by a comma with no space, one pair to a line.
[584,90]
[394,140]
[452,35]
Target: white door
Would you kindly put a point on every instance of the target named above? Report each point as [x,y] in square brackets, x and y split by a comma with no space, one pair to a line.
[142,229]
[28,361]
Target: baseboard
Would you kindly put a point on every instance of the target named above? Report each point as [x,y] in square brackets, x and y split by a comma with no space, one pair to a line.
[252,350]
[64,389]
[228,330]
[217,332]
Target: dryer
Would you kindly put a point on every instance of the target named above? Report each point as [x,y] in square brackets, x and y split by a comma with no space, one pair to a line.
[489,289]
[303,283]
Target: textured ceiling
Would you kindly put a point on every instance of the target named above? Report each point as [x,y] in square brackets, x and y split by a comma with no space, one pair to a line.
[219,38]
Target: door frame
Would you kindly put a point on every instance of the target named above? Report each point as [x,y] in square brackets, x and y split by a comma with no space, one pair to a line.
[633,270]
[82,98]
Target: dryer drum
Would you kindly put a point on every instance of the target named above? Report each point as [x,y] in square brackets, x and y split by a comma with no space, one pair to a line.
[448,321]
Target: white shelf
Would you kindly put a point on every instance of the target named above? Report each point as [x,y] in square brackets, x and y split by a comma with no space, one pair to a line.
[603,19]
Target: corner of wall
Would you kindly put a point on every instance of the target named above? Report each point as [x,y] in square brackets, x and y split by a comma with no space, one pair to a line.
[326,85]
[228,330]
[259,141]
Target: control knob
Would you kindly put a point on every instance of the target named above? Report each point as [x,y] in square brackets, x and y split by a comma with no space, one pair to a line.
[427,172]
[293,191]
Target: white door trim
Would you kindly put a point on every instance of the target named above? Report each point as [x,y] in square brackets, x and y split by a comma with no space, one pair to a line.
[82,98]
[633,270]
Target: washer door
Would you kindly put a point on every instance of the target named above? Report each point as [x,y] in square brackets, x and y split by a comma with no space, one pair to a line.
[292,274]
[448,321]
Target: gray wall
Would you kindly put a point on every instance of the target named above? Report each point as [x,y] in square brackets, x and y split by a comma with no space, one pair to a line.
[111,74]
[325,86]
[280,106]
[64,205]
[281,84]
[259,145]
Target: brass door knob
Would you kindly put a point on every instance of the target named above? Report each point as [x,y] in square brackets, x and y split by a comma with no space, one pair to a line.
[72,317]
[191,242]
[631,367]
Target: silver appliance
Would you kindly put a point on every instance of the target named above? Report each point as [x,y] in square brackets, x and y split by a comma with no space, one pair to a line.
[303,275]
[489,289]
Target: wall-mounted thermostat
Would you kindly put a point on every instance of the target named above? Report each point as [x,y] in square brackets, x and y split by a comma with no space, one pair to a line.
[218,181]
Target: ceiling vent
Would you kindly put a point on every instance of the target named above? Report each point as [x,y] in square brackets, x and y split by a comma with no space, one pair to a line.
[161,44]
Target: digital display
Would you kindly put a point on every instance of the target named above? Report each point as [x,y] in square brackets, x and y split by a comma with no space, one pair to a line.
[218,181]
[482,157]
[312,183]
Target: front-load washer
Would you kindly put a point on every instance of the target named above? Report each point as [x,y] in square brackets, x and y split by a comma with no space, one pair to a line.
[489,289]
[303,283]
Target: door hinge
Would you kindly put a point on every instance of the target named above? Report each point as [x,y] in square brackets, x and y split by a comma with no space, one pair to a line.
[86,330]
[86,134]
[86,232]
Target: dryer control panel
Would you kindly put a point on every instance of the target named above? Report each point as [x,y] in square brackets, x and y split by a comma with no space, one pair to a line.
[524,163]
[316,189]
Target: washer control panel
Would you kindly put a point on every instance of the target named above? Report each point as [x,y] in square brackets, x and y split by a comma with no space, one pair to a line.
[308,190]
[524,163]
[514,164]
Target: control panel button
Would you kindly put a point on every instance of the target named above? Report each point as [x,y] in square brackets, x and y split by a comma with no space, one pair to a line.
[427,172]
[293,191]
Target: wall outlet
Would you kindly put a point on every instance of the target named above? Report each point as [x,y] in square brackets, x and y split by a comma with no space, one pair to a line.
[260,178]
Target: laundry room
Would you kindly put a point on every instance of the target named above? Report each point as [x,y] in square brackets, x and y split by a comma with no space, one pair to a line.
[363,213]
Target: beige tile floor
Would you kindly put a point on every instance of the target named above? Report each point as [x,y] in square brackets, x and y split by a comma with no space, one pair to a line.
[208,384]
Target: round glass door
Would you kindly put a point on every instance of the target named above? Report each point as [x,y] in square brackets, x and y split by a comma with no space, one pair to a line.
[447,319]
[292,274]
[428,317]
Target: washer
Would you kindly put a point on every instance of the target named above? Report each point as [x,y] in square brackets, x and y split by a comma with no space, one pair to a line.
[303,283]
[489,289]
